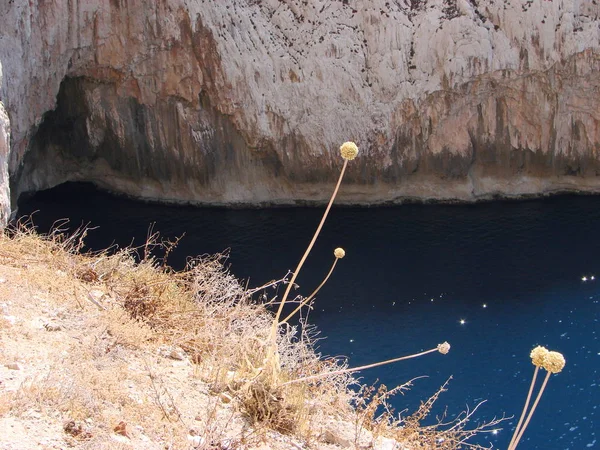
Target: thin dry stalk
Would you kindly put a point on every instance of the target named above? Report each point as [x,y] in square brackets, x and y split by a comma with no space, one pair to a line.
[535,403]
[518,428]
[356,369]
[311,296]
[306,253]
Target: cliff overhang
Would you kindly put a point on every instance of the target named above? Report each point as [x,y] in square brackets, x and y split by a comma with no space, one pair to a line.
[247,102]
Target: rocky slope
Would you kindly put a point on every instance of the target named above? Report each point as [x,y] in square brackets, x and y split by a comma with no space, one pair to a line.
[84,366]
[247,101]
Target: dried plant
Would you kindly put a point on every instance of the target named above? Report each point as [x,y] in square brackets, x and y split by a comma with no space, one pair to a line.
[537,358]
[444,435]
[553,362]
[373,411]
[442,348]
[271,374]
[338,253]
[348,151]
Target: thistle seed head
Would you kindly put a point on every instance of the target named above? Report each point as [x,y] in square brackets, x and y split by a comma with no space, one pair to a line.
[538,355]
[443,348]
[339,253]
[554,362]
[349,150]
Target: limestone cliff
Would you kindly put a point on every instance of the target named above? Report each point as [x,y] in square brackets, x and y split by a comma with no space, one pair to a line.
[4,150]
[246,101]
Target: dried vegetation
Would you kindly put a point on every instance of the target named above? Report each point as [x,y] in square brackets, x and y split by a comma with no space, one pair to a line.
[116,350]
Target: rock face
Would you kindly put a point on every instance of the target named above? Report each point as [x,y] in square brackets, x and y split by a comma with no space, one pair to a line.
[4,150]
[247,101]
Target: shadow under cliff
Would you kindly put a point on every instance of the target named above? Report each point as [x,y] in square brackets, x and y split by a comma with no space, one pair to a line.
[189,152]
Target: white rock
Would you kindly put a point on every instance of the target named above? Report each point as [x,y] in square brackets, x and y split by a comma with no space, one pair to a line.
[383,443]
[97,294]
[196,440]
[120,438]
[10,319]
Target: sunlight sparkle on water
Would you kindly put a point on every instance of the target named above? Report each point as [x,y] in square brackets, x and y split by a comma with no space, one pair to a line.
[462,321]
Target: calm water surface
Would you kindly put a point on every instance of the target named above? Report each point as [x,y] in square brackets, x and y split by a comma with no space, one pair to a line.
[493,279]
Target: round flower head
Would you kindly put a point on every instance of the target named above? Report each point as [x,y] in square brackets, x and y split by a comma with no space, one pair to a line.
[339,253]
[554,362]
[538,355]
[349,150]
[443,348]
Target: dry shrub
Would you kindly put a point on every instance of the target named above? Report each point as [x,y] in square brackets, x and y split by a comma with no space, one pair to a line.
[88,275]
[121,331]
[205,311]
[301,408]
[376,415]
[21,244]
[38,391]
[209,314]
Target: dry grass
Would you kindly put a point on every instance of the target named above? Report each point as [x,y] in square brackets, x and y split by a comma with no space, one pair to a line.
[176,359]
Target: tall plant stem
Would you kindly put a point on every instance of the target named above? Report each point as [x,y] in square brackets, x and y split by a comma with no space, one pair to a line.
[516,433]
[537,399]
[356,369]
[311,296]
[301,263]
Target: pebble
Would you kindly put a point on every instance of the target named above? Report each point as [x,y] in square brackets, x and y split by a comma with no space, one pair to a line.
[14,366]
[196,440]
[226,398]
[177,354]
[383,443]
[331,437]
[119,438]
[10,319]
[97,294]
[52,327]
[33,414]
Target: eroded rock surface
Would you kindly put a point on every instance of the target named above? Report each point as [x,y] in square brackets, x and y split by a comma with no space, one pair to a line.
[247,101]
[4,151]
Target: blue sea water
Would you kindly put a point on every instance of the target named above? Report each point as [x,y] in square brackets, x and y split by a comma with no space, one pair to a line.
[493,279]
